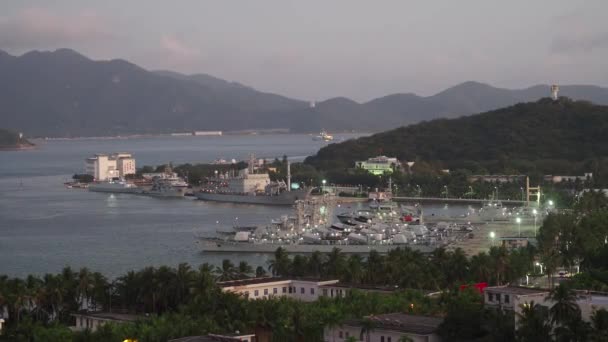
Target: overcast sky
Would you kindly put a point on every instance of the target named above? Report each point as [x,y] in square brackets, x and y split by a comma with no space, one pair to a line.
[316,49]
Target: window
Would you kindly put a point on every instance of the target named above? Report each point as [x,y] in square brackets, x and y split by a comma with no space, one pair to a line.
[346,334]
[332,292]
[265,292]
[490,297]
[389,339]
[256,293]
[325,292]
[290,289]
[312,291]
[285,289]
[381,338]
[507,298]
[302,290]
[498,297]
[340,334]
[274,290]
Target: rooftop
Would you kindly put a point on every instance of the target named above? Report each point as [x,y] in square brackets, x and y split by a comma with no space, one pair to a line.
[212,338]
[414,324]
[111,316]
[516,290]
[263,280]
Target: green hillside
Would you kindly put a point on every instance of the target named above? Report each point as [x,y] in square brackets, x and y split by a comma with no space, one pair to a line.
[553,133]
[10,139]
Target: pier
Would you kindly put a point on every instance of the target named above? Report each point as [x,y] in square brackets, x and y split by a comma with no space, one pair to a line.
[453,200]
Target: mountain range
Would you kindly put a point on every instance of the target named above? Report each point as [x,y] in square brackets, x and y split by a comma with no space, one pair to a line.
[62,93]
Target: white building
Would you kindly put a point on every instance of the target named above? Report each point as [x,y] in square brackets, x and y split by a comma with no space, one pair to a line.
[387,328]
[379,165]
[267,287]
[104,167]
[236,337]
[93,320]
[512,298]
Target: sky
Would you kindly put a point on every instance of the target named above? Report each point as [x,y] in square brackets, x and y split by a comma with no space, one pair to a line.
[318,49]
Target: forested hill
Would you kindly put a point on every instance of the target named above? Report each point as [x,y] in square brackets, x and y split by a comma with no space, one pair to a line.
[546,129]
[10,139]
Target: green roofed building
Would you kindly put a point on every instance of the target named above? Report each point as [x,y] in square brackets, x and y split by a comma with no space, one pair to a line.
[379,165]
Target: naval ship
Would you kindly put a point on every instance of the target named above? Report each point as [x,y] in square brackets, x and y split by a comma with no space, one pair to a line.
[250,187]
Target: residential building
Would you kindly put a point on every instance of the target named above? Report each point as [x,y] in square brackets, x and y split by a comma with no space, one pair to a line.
[93,320]
[387,328]
[236,337]
[342,289]
[379,165]
[105,167]
[260,288]
[513,298]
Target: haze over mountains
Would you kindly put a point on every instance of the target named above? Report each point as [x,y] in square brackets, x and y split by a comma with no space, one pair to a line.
[63,94]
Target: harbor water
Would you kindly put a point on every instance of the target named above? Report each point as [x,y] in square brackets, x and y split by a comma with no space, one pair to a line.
[44,226]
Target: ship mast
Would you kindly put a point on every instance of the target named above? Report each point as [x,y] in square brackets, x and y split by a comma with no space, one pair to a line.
[288,176]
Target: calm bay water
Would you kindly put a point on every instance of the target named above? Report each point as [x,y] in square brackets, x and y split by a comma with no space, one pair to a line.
[44,226]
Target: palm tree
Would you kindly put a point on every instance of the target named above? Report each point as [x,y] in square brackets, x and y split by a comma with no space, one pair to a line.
[500,261]
[335,263]
[244,270]
[367,326]
[84,288]
[481,268]
[406,339]
[565,309]
[354,268]
[315,264]
[226,272]
[599,321]
[184,277]
[260,272]
[534,325]
[281,263]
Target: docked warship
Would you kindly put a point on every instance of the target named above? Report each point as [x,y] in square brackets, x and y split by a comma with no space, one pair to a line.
[249,187]
[312,228]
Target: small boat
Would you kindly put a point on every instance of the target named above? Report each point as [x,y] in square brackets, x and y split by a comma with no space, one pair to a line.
[323,136]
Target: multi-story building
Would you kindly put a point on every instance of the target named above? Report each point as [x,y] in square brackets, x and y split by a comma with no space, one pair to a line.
[307,290]
[93,320]
[387,328]
[379,165]
[514,298]
[104,167]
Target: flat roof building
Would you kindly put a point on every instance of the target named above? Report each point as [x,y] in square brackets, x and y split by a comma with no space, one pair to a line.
[388,328]
[93,320]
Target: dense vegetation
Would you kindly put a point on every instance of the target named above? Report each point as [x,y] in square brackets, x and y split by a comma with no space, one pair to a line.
[10,139]
[545,136]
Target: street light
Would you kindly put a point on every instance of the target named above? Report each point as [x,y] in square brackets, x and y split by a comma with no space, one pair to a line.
[492,236]
[550,203]
[541,267]
[446,191]
[496,193]
[518,220]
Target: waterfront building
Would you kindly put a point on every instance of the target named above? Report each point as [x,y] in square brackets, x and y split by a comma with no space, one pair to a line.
[380,165]
[513,298]
[107,166]
[307,290]
[93,320]
[387,328]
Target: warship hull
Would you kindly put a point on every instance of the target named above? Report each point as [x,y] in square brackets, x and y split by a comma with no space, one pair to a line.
[285,198]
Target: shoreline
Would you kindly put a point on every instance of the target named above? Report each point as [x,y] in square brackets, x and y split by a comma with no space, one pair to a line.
[136,136]
[20,147]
